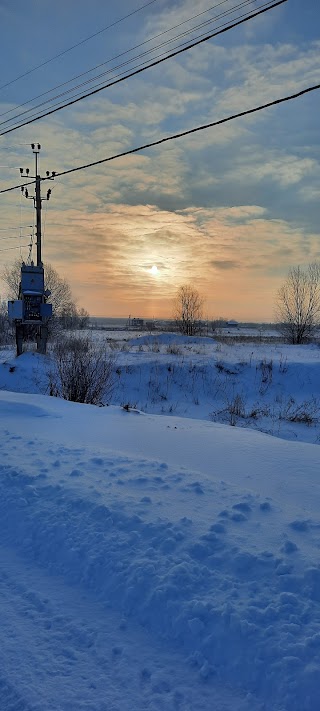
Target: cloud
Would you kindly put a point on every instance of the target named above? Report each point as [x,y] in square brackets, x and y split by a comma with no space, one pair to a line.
[283,169]
[224,264]
[109,255]
[230,208]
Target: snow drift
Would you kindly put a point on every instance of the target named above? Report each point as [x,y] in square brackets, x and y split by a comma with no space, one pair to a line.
[205,535]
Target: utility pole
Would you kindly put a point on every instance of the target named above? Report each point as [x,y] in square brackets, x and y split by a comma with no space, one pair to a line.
[31,312]
[38,205]
[37,199]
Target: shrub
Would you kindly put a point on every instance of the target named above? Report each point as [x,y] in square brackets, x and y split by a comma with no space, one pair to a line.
[306,412]
[81,370]
[173,349]
[266,369]
[128,406]
[222,368]
[234,409]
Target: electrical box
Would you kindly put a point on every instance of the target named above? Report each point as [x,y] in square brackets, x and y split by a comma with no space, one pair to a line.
[15,310]
[32,302]
[46,310]
[32,279]
[31,307]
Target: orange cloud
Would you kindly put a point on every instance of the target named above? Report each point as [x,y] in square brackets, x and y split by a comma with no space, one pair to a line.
[236,258]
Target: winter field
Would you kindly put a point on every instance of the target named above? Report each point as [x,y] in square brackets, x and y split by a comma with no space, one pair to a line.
[161,553]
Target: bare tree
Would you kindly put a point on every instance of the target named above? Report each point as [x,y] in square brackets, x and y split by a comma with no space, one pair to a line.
[61,296]
[74,319]
[188,310]
[5,327]
[83,318]
[298,304]
[11,276]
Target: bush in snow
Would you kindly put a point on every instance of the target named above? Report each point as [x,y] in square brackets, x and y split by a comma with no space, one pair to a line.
[306,412]
[81,370]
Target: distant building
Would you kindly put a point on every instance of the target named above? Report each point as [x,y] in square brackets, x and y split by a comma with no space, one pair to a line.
[232,323]
[137,323]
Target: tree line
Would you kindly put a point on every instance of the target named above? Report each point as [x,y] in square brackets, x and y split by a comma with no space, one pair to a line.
[297,310]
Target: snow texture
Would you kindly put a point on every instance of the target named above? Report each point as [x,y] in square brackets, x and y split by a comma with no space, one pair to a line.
[154,561]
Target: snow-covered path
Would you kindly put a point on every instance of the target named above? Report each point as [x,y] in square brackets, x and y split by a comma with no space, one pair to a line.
[162,560]
[62,650]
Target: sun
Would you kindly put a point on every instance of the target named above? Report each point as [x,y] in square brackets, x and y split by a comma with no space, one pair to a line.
[154,270]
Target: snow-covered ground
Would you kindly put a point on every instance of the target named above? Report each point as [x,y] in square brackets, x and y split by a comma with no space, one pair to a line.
[155,559]
[269,387]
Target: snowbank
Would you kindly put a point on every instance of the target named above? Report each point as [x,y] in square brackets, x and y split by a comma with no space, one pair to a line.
[206,535]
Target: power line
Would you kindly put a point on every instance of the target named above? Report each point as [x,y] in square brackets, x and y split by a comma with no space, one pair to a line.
[177,135]
[121,74]
[117,56]
[65,51]
[11,237]
[10,167]
[19,246]
[18,227]
[194,130]
[103,74]
[15,145]
[148,66]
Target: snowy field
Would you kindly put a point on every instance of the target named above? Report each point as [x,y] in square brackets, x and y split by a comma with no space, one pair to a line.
[162,553]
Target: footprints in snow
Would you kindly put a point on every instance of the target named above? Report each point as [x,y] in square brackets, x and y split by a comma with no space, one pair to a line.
[214,549]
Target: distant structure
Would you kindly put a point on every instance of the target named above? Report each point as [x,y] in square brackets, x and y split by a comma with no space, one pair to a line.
[135,323]
[30,312]
[232,324]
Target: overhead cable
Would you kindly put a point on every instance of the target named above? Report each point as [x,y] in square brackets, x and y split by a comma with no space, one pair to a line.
[176,135]
[148,66]
[65,51]
[7,249]
[128,61]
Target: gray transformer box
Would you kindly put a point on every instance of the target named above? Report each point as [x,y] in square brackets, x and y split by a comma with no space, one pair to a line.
[31,307]
[32,279]
[15,310]
[46,310]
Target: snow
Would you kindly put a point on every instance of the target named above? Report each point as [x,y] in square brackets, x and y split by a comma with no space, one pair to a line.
[158,561]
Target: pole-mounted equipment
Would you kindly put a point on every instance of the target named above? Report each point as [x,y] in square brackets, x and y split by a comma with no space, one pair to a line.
[31,312]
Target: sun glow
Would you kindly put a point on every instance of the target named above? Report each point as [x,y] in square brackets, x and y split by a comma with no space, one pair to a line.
[154,270]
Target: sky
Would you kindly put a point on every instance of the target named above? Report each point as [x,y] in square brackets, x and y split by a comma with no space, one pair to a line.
[229,210]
